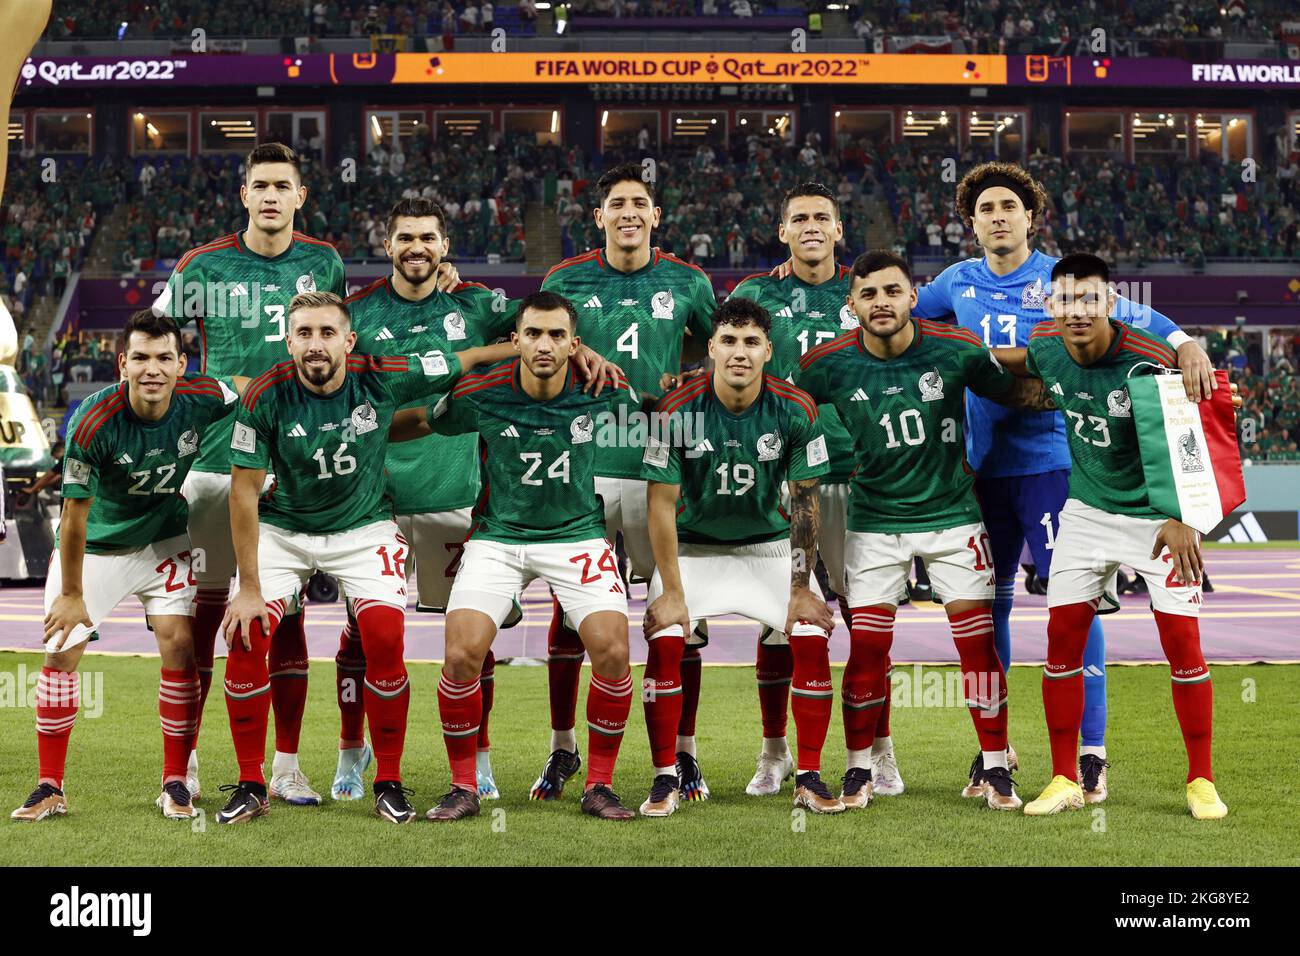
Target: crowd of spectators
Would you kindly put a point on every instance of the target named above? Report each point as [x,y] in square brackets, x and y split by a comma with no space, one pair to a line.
[1268,424]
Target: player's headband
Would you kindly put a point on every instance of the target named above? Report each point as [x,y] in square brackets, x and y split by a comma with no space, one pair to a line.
[997,179]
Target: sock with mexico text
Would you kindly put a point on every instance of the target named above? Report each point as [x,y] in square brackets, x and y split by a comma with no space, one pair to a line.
[1067,633]
[58,698]
[388,691]
[178,711]
[865,688]
[1180,636]
[288,674]
[609,701]
[983,681]
[349,668]
[487,679]
[811,696]
[662,697]
[248,695]
[460,707]
[774,669]
[564,656]
[209,609]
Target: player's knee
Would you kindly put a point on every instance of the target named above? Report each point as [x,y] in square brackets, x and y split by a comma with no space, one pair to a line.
[463,662]
[609,655]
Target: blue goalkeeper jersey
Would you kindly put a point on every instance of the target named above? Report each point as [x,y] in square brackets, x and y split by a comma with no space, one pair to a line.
[1004,442]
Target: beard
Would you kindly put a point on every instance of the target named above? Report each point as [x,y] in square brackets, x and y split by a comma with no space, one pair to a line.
[317,374]
[409,272]
[899,323]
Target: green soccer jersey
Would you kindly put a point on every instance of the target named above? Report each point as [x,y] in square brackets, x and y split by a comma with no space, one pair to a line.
[906,417]
[636,320]
[803,317]
[1106,467]
[327,451]
[438,472]
[730,467]
[134,469]
[239,301]
[537,458]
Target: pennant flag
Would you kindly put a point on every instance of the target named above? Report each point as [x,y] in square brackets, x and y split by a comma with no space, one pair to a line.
[1189,450]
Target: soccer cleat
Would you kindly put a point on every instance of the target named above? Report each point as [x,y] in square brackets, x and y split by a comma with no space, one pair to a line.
[560,766]
[348,783]
[1092,777]
[293,788]
[603,803]
[920,593]
[391,803]
[192,777]
[857,789]
[456,804]
[811,791]
[248,800]
[691,778]
[886,781]
[45,801]
[976,786]
[1000,789]
[175,801]
[663,799]
[1203,800]
[1206,586]
[487,785]
[1061,794]
[1013,761]
[771,771]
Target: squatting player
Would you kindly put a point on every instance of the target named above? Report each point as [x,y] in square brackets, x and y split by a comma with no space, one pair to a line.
[1085,359]
[808,307]
[129,449]
[723,544]
[636,304]
[899,386]
[320,422]
[538,517]
[1021,461]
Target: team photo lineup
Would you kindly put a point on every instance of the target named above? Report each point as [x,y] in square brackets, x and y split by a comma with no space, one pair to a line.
[778,473]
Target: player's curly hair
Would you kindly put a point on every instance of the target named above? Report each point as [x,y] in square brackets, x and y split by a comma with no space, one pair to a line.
[968,192]
[741,311]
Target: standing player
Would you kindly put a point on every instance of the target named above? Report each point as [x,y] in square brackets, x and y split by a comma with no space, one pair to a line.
[808,307]
[320,423]
[729,547]
[1022,461]
[538,517]
[237,290]
[123,533]
[636,303]
[899,385]
[1085,359]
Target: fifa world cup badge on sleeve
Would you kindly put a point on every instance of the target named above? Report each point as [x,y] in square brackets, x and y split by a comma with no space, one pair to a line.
[434,363]
[243,438]
[1189,450]
[656,453]
[76,472]
[817,454]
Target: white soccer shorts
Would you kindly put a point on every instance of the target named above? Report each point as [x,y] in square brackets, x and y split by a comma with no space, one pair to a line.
[957,559]
[627,510]
[369,562]
[583,575]
[1090,547]
[158,574]
[751,580]
[437,540]
[207,494]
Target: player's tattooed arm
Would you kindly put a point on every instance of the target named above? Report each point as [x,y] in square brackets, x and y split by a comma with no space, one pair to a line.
[1184,544]
[408,424]
[1027,394]
[69,608]
[805,518]
[248,604]
[1015,361]
[670,607]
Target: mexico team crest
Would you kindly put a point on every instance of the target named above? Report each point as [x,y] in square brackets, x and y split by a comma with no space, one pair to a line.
[1032,296]
[581,429]
[364,418]
[305,283]
[848,318]
[1189,454]
[454,325]
[931,385]
[188,443]
[1119,404]
[662,305]
[769,447]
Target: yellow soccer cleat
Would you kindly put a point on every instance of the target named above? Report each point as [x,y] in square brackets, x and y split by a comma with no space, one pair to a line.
[1203,800]
[1061,794]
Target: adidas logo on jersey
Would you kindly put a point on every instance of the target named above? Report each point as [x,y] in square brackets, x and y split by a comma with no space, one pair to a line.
[510,432]
[592,303]
[125,459]
[785,313]
[861,396]
[297,431]
[969,293]
[384,335]
[1056,389]
[705,445]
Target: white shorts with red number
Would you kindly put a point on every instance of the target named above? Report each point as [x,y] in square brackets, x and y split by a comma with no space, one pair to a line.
[626,510]
[369,562]
[437,540]
[751,580]
[957,559]
[1090,547]
[207,494]
[158,574]
[583,574]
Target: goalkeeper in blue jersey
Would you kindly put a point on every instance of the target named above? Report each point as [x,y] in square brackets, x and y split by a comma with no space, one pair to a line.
[1021,460]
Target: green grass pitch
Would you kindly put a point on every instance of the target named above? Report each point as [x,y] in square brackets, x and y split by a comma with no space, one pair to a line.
[114,762]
